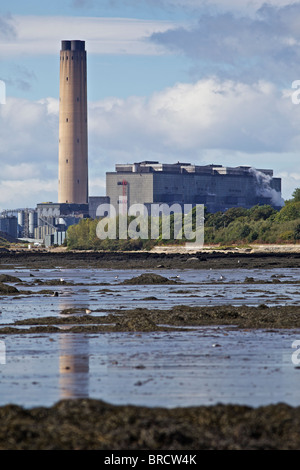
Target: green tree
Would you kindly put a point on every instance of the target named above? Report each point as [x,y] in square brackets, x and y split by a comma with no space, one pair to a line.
[261,212]
[296,195]
[290,211]
[297,232]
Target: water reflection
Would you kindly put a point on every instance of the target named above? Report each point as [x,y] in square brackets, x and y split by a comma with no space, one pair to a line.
[73,366]
[73,361]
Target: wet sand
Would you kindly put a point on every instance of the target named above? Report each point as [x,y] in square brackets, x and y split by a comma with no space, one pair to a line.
[93,424]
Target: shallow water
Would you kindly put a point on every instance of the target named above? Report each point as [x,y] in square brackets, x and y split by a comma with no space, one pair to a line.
[197,287]
[203,366]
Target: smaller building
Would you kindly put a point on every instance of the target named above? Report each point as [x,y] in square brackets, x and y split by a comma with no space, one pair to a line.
[55,218]
[9,225]
[27,222]
[94,203]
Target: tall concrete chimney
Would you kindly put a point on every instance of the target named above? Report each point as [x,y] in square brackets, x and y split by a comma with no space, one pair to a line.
[73,144]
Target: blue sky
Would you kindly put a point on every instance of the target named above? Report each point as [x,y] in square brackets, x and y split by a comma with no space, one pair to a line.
[192,80]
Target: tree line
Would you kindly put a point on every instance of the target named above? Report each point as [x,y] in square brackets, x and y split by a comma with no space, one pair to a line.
[260,224]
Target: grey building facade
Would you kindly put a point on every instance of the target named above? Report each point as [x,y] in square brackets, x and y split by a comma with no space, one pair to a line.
[56,217]
[9,225]
[218,188]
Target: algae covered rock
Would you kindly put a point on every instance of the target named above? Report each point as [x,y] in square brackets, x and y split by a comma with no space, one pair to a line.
[7,289]
[149,278]
[9,278]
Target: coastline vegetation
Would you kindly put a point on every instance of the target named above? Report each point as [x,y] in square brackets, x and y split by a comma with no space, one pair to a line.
[238,226]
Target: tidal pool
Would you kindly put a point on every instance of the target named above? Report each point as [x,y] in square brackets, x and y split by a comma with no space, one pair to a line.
[201,367]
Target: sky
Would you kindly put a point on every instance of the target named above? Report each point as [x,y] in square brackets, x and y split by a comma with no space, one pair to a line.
[199,81]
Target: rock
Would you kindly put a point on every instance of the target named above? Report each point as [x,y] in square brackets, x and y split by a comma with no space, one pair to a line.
[9,278]
[75,311]
[6,290]
[149,278]
[137,323]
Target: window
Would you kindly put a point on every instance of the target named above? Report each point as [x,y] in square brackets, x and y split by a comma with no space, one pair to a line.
[67,78]
[67,119]
[67,161]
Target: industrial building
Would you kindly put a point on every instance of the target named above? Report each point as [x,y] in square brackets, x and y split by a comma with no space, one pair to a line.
[27,222]
[9,225]
[218,188]
[73,140]
[18,223]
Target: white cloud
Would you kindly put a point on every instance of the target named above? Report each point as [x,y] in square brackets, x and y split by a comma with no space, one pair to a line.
[40,35]
[290,181]
[29,129]
[247,48]
[248,6]
[26,192]
[206,114]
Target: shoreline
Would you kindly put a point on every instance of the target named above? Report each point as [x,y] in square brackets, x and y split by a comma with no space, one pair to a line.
[215,259]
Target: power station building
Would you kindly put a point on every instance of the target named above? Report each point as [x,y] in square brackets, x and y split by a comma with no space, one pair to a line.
[218,188]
